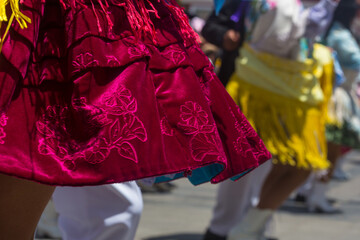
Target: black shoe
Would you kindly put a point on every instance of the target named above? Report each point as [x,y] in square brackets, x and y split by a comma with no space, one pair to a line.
[299,198]
[212,236]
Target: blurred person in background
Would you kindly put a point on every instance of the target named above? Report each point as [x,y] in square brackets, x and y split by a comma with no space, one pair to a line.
[289,117]
[343,132]
[342,36]
[226,30]
[234,199]
[226,34]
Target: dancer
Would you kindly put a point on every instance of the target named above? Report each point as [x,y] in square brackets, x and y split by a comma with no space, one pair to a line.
[97,92]
[344,131]
[283,92]
[233,200]
[342,37]
[228,35]
[230,210]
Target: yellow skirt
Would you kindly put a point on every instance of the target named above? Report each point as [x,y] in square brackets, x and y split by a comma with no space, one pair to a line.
[286,102]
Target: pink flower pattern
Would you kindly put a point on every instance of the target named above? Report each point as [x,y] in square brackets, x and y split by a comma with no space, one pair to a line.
[193,115]
[138,51]
[166,128]
[3,122]
[112,61]
[119,102]
[119,127]
[208,75]
[248,139]
[83,61]
[175,55]
[2,135]
[195,122]
[115,113]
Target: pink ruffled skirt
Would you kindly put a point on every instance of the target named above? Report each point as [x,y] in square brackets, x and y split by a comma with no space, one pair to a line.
[88,103]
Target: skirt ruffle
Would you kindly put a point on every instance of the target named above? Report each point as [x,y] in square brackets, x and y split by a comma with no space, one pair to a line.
[93,104]
[286,105]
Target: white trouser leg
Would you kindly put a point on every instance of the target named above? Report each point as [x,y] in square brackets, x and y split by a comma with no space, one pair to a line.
[235,198]
[317,200]
[339,172]
[252,226]
[99,212]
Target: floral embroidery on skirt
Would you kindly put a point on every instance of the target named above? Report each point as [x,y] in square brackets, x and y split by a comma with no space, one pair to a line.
[95,104]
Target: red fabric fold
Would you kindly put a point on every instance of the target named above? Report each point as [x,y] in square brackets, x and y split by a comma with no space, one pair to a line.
[101,105]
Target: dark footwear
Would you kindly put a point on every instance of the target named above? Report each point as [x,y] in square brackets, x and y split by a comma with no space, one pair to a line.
[212,236]
[302,199]
[332,210]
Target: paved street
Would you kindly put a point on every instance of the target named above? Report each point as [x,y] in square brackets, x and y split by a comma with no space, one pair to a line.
[184,214]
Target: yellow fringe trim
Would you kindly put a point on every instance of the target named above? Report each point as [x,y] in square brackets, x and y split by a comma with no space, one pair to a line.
[326,78]
[21,18]
[292,130]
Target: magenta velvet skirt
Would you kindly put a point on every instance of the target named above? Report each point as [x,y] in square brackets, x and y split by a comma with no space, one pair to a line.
[87,103]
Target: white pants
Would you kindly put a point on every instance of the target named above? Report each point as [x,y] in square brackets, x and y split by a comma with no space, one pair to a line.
[235,198]
[107,212]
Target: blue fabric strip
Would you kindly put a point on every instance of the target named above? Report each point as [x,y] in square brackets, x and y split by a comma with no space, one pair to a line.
[218,5]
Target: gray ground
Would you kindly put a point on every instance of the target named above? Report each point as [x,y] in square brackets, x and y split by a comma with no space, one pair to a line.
[185,213]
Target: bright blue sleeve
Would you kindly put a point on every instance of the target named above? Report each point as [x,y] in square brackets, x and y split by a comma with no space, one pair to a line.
[348,51]
[339,74]
[218,5]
